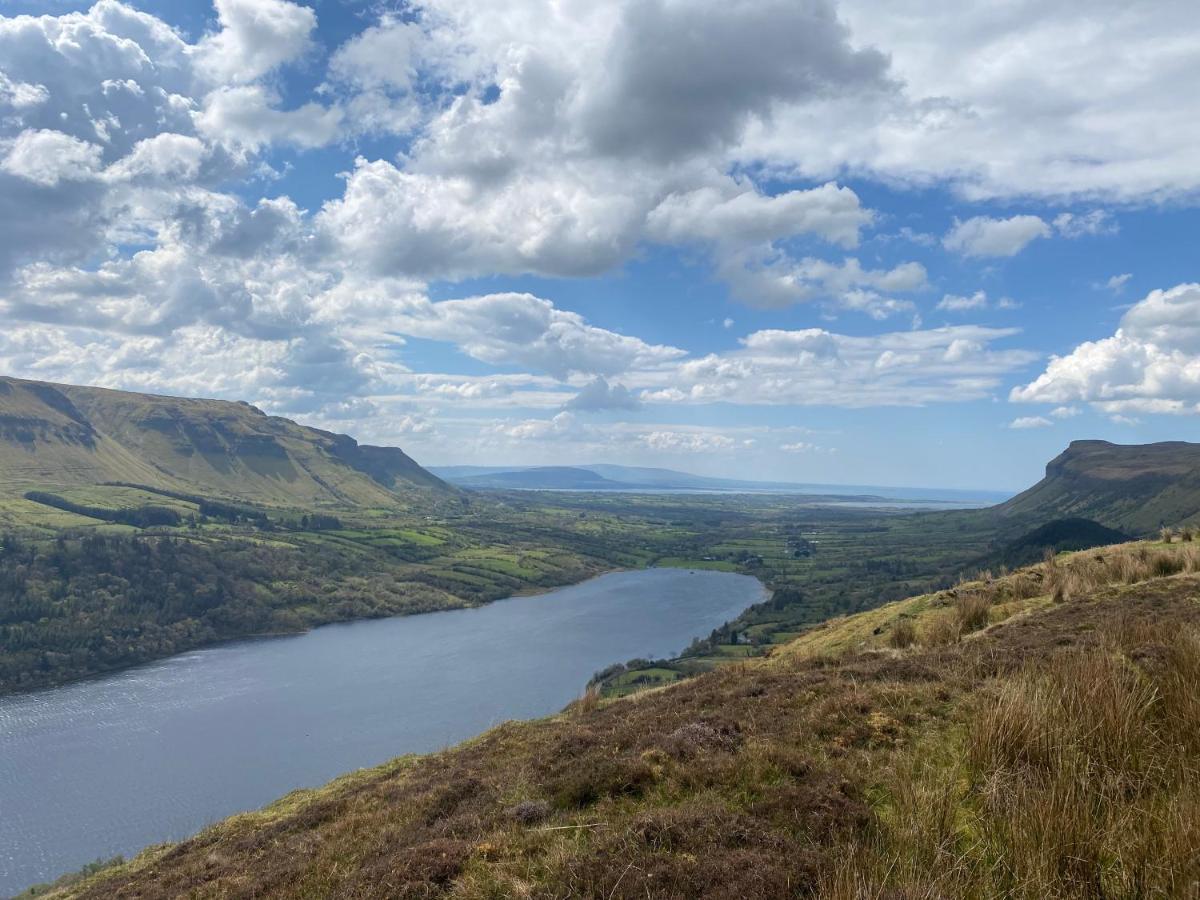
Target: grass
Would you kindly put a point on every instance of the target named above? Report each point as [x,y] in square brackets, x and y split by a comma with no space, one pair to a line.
[1052,752]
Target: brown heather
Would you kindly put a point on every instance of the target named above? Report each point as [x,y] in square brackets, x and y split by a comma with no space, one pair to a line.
[979,742]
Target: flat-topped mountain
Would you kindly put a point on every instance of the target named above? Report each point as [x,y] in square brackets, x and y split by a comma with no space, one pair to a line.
[1136,488]
[57,435]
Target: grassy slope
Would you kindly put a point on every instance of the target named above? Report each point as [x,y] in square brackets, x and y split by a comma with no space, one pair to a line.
[64,435]
[1033,735]
[1134,488]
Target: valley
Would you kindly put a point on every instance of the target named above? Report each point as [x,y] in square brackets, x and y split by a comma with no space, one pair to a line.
[134,529]
[935,746]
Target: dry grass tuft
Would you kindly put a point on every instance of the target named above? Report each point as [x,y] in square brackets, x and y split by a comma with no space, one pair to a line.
[904,633]
[972,611]
[940,630]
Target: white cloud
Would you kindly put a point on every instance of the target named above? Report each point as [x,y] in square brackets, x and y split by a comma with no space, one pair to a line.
[1077,225]
[958,303]
[255,37]
[1151,363]
[814,367]
[1063,100]
[524,330]
[48,157]
[1065,412]
[1027,422]
[247,117]
[19,94]
[1117,283]
[777,281]
[598,395]
[741,215]
[382,56]
[691,442]
[176,157]
[985,236]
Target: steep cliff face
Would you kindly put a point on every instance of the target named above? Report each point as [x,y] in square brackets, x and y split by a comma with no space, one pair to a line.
[1135,488]
[65,435]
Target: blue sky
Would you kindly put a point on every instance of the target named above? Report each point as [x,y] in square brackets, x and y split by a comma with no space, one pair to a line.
[818,241]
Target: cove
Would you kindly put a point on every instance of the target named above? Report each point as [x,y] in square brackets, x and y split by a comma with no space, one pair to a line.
[155,753]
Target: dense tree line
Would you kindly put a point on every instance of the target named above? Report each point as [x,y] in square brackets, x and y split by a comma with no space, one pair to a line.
[74,606]
[139,516]
[212,509]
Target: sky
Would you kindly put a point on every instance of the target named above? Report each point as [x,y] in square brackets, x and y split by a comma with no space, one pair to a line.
[848,242]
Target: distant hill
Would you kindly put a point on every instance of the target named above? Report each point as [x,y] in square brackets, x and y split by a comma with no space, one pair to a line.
[1134,488]
[1058,536]
[609,477]
[56,435]
[565,478]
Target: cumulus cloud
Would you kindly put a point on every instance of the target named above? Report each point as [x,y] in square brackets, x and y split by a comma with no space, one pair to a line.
[255,37]
[605,130]
[385,55]
[777,281]
[598,395]
[47,157]
[735,213]
[248,117]
[985,236]
[524,330]
[680,78]
[1151,363]
[1055,102]
[815,367]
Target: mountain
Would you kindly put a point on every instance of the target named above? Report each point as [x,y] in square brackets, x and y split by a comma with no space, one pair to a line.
[560,478]
[1134,488]
[57,435]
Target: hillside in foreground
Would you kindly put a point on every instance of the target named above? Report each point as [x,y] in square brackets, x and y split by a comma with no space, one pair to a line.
[1029,735]
[60,436]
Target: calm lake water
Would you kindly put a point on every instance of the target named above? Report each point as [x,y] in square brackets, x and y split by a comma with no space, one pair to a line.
[156,753]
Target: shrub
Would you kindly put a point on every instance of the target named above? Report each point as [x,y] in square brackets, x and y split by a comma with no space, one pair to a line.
[529,812]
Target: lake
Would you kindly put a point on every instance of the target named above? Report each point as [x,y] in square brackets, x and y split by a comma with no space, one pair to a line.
[151,754]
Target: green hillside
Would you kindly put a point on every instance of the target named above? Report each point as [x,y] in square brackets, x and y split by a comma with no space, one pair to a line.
[58,436]
[1136,488]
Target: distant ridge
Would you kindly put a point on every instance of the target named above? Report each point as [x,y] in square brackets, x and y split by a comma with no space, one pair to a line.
[1135,488]
[57,435]
[609,477]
